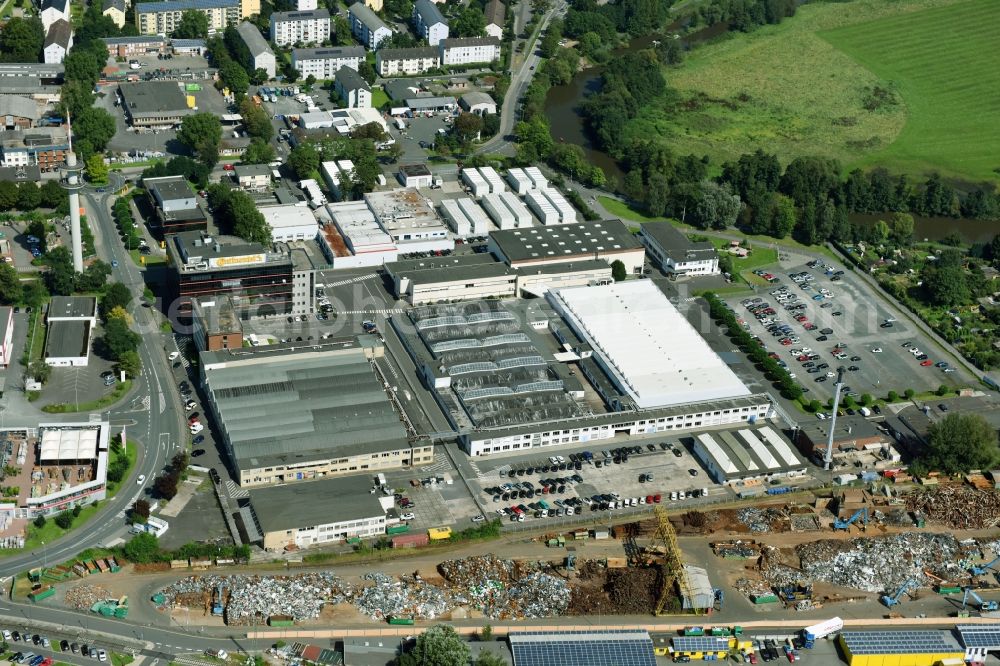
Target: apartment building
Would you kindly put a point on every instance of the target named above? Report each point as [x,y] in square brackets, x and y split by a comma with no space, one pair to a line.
[407,62]
[324,62]
[428,22]
[309,27]
[366,27]
[469,50]
[162,18]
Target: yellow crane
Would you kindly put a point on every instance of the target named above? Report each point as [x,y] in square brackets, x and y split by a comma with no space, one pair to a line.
[673,561]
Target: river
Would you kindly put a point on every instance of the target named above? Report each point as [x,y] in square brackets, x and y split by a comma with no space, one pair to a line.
[936,228]
[563,104]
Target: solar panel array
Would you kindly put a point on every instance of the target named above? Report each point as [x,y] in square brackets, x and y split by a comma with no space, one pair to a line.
[582,648]
[980,635]
[899,642]
[701,644]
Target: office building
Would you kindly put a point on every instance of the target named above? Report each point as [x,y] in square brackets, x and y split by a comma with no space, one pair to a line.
[258,53]
[676,253]
[469,50]
[366,26]
[290,222]
[428,22]
[162,18]
[297,412]
[323,63]
[215,325]
[407,62]
[259,280]
[42,147]
[123,47]
[175,204]
[309,27]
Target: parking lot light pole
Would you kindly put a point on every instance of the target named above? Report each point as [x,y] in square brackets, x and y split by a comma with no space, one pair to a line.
[828,458]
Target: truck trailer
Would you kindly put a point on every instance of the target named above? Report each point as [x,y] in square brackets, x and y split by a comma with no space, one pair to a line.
[817,631]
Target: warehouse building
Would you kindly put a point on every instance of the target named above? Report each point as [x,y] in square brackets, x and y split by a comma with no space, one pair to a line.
[621,647]
[18,112]
[408,218]
[300,515]
[258,53]
[302,411]
[324,62]
[355,239]
[71,321]
[290,222]
[676,253]
[648,348]
[697,590]
[747,455]
[899,647]
[122,47]
[852,434]
[478,103]
[44,147]
[415,176]
[159,104]
[979,640]
[608,240]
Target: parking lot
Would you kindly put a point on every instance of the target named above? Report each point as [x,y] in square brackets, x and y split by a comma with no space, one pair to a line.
[817,318]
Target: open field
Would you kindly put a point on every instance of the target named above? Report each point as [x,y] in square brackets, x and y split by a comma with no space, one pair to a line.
[947,88]
[788,89]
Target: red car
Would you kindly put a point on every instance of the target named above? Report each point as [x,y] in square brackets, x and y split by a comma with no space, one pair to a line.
[656,499]
[649,499]
[810,327]
[786,341]
[927,363]
[802,358]
[228,167]
[801,318]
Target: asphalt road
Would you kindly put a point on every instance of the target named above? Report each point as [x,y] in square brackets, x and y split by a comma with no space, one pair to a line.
[157,424]
[519,82]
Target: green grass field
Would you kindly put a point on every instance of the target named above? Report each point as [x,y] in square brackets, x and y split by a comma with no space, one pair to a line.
[798,88]
[950,90]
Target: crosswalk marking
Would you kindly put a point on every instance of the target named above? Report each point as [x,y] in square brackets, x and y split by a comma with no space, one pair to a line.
[390,311]
[353,280]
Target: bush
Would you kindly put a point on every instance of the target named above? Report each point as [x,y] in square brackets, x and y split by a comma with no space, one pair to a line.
[909,393]
[867,399]
[40,522]
[64,520]
[892,397]
[942,390]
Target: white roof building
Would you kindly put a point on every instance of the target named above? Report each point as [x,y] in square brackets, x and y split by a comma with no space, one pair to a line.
[290,222]
[645,345]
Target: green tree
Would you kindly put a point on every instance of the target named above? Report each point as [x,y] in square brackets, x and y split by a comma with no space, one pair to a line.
[21,40]
[781,215]
[310,80]
[34,293]
[467,127]
[259,76]
[258,152]
[489,659]
[470,22]
[193,25]
[202,133]
[118,339]
[618,271]
[60,279]
[441,645]
[909,393]
[142,548]
[10,284]
[8,195]
[51,194]
[84,66]
[92,130]
[256,120]
[40,370]
[486,633]
[902,227]
[130,364]
[960,442]
[942,390]
[303,160]
[97,170]
[40,522]
[28,196]
[94,276]
[116,295]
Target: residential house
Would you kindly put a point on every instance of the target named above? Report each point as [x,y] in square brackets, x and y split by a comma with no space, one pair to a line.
[51,11]
[162,18]
[115,10]
[58,41]
[496,18]
[469,50]
[428,22]
[258,54]
[253,177]
[366,27]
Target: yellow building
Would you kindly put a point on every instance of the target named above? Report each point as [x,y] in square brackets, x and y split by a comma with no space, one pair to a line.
[703,647]
[250,8]
[899,648]
[438,533]
[115,9]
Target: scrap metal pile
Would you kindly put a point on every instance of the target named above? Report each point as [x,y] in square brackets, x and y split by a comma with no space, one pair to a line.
[504,589]
[83,597]
[884,563]
[760,520]
[958,507]
[252,599]
[501,589]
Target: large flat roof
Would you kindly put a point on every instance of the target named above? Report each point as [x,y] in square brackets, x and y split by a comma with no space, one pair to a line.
[649,348]
[73,306]
[584,240]
[313,503]
[676,244]
[67,339]
[68,444]
[449,269]
[936,642]
[152,98]
[301,403]
[169,188]
[621,647]
[288,216]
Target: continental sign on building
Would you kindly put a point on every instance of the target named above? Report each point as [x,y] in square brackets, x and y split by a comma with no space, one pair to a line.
[243,260]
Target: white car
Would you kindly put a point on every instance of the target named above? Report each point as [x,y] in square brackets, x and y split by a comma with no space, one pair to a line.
[196,427]
[408,516]
[478,519]
[821,416]
[173,356]
[806,350]
[191,404]
[141,480]
[876,350]
[831,375]
[102,655]
[553,460]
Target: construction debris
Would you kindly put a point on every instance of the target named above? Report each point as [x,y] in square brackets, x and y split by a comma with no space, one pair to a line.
[761,520]
[83,597]
[958,507]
